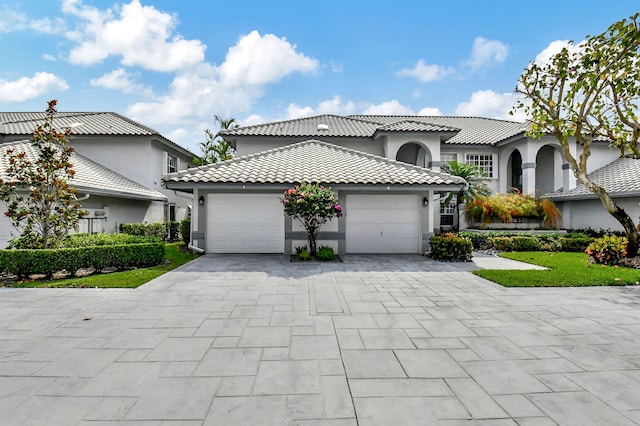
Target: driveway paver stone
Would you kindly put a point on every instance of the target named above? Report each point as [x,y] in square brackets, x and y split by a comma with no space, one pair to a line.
[374,340]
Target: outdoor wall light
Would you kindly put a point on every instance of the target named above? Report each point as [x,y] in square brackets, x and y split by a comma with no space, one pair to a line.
[425,201]
[201,200]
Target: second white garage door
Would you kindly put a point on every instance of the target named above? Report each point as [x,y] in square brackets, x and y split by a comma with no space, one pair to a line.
[382,224]
[245,223]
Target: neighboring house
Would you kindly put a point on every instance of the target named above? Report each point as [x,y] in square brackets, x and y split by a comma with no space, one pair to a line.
[108,197]
[499,147]
[121,145]
[582,209]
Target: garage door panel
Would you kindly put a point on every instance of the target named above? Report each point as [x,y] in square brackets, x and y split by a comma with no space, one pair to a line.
[245,223]
[382,224]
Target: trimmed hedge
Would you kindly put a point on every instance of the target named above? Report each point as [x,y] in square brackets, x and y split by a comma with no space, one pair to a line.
[527,241]
[23,263]
[153,230]
[185,231]
[89,240]
[451,247]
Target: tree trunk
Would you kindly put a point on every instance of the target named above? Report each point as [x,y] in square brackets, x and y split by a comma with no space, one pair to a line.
[632,231]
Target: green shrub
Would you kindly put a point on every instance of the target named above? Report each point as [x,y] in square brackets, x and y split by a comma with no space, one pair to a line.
[172,232]
[47,262]
[608,250]
[575,243]
[325,253]
[516,243]
[451,247]
[87,240]
[155,230]
[185,231]
[304,254]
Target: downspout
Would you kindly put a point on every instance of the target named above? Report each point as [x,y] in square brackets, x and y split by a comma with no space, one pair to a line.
[194,248]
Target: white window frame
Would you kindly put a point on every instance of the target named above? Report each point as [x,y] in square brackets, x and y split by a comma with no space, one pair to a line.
[171,163]
[448,154]
[484,161]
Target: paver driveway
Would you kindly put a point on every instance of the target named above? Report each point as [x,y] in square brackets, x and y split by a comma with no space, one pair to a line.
[376,340]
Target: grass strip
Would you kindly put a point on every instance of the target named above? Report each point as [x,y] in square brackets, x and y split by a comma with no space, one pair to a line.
[565,270]
[126,279]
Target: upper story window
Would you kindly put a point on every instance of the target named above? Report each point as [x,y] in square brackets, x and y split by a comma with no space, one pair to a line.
[172,163]
[447,157]
[483,161]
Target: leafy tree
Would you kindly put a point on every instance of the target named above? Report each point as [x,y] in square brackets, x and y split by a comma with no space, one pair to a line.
[40,201]
[313,205]
[586,93]
[215,148]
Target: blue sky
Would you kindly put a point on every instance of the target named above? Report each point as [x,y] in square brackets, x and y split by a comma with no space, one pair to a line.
[172,64]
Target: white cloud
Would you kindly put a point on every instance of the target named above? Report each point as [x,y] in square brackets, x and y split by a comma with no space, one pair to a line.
[49,57]
[336,67]
[430,111]
[14,21]
[555,47]
[26,88]
[295,111]
[329,106]
[202,90]
[261,59]
[140,35]
[487,103]
[486,52]
[424,72]
[251,120]
[123,81]
[392,107]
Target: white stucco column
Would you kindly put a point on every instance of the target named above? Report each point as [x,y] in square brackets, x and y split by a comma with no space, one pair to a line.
[529,178]
[433,204]
[195,207]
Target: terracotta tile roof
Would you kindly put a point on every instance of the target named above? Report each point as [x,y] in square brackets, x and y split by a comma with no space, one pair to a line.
[90,176]
[470,130]
[92,124]
[313,161]
[620,178]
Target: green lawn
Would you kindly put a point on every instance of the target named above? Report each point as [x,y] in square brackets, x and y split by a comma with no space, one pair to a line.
[126,279]
[566,270]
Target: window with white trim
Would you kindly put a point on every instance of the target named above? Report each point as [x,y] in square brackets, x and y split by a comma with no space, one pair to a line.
[172,163]
[482,161]
[447,157]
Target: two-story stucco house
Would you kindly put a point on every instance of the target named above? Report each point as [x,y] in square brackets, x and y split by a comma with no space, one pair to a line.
[119,165]
[386,170]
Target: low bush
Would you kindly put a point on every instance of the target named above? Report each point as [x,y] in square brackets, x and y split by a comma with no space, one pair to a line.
[608,250]
[300,249]
[185,231]
[155,230]
[325,253]
[596,233]
[503,240]
[87,240]
[575,242]
[516,243]
[172,231]
[451,247]
[23,263]
[303,254]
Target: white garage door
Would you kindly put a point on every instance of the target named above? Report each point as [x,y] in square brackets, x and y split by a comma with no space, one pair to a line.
[245,223]
[382,224]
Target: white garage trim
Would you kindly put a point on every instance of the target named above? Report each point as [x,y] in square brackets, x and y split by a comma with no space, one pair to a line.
[245,223]
[382,224]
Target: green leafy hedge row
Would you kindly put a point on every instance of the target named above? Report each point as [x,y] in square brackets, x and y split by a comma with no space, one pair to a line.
[168,231]
[452,247]
[528,241]
[89,240]
[47,262]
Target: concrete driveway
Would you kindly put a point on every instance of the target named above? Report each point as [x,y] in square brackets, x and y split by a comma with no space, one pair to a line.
[375,340]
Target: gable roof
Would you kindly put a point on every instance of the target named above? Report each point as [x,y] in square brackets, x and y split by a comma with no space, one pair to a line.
[314,161]
[473,130]
[92,124]
[619,178]
[90,177]
[459,130]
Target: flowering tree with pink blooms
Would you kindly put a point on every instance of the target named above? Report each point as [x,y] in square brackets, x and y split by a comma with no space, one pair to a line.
[313,205]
